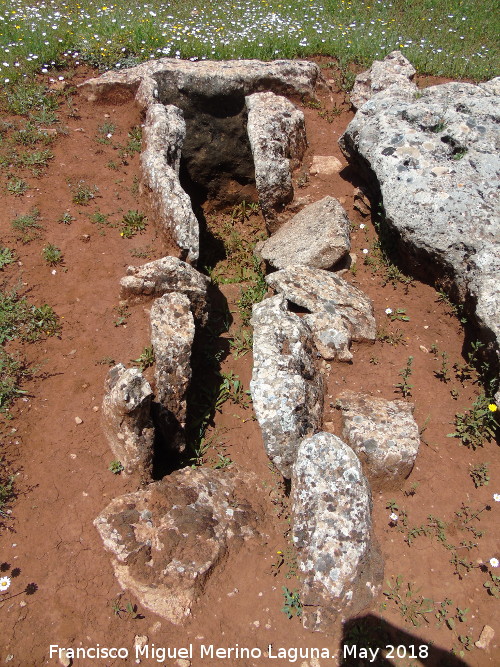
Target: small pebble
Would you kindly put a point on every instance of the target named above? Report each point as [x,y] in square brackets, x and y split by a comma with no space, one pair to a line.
[78,420]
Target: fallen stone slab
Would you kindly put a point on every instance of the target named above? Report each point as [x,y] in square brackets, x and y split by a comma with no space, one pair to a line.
[163,134]
[318,236]
[332,532]
[172,335]
[433,155]
[383,434]
[126,420]
[159,80]
[276,130]
[393,70]
[165,275]
[287,390]
[325,165]
[339,312]
[167,540]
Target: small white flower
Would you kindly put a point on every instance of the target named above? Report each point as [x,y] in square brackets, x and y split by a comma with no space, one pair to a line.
[365,251]
[388,311]
[393,517]
[109,135]
[61,78]
[4,584]
[494,562]
[496,497]
[362,226]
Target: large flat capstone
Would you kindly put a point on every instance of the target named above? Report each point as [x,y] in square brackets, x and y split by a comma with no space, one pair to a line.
[332,531]
[435,158]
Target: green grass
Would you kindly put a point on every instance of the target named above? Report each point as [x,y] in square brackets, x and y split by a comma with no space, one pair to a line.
[456,38]
[27,226]
[22,320]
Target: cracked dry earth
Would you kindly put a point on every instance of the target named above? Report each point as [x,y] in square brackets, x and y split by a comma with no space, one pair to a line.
[55,446]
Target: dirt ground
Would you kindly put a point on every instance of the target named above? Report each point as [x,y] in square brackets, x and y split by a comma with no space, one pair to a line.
[55,447]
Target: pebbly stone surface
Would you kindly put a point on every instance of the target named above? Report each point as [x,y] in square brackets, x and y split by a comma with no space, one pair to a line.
[339,312]
[158,80]
[287,390]
[318,236]
[126,420]
[332,532]
[172,335]
[393,71]
[434,156]
[276,130]
[383,434]
[165,275]
[167,540]
[163,134]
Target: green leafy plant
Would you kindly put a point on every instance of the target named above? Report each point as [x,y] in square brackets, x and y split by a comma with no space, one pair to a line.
[493,585]
[413,607]
[134,142]
[132,223]
[480,474]
[241,342]
[66,218]
[123,315]
[16,186]
[146,358]
[52,254]
[400,315]
[443,373]
[83,194]
[13,370]
[404,386]
[476,425]
[393,338]
[27,226]
[116,467]
[7,256]
[292,605]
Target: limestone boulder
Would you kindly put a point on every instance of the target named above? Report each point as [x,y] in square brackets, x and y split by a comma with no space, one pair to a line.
[276,130]
[163,133]
[332,532]
[394,70]
[318,236]
[383,434]
[167,540]
[287,390]
[339,312]
[434,156]
[166,275]
[126,420]
[172,335]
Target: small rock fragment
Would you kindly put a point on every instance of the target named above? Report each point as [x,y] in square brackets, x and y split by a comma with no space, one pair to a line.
[78,420]
[487,634]
[325,165]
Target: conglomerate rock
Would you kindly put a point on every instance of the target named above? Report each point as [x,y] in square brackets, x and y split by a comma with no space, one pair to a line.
[339,312]
[165,275]
[383,434]
[434,157]
[318,236]
[287,390]
[163,133]
[276,129]
[393,70]
[332,532]
[168,539]
[172,335]
[126,420]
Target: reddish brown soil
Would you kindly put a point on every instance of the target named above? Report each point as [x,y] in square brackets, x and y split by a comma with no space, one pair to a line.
[63,480]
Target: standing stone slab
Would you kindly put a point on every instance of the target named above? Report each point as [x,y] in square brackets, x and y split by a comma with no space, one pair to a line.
[172,335]
[332,531]
[126,420]
[167,540]
[276,130]
[318,236]
[287,390]
[339,311]
[383,434]
[163,134]
[393,70]
[435,159]
[166,275]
